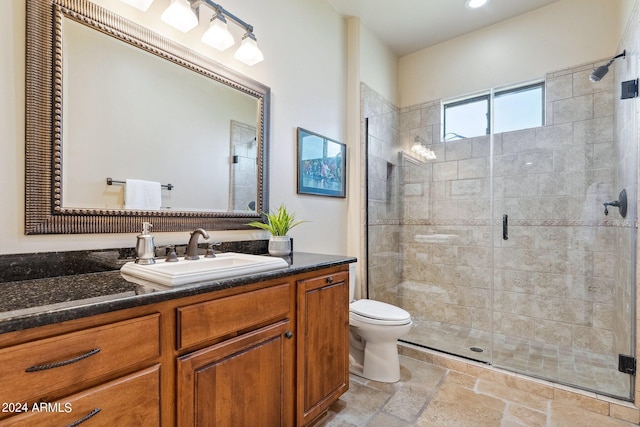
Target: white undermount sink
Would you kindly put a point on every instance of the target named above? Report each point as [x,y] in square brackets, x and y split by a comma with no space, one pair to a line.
[223,266]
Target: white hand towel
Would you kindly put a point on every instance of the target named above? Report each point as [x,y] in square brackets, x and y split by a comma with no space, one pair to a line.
[139,194]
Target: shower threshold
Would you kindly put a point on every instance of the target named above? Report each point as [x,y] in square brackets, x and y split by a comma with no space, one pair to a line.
[564,365]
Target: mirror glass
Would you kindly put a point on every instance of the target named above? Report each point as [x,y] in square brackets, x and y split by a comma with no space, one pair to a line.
[129,114]
[109,103]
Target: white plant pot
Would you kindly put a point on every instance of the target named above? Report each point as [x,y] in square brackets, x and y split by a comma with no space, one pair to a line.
[279,245]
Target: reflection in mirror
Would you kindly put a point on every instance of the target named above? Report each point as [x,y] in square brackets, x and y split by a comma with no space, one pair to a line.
[125,103]
[128,114]
[242,194]
[171,125]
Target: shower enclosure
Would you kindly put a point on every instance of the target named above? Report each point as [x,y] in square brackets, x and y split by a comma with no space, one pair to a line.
[500,247]
[243,186]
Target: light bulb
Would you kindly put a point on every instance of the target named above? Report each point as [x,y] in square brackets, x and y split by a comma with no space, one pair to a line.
[248,51]
[180,16]
[218,35]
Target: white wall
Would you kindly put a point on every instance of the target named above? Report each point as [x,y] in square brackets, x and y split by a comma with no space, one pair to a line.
[378,65]
[626,7]
[373,63]
[304,43]
[561,35]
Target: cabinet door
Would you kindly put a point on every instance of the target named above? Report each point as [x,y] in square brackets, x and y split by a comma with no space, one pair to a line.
[323,343]
[244,381]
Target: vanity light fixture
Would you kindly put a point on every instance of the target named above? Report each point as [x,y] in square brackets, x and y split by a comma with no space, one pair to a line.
[218,35]
[474,4]
[183,15]
[139,4]
[248,51]
[180,16]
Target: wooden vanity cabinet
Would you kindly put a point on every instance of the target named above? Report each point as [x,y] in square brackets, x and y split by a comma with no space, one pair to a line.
[245,380]
[106,373]
[133,400]
[271,353]
[323,343]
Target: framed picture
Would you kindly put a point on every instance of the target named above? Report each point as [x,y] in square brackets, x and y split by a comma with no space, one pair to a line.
[322,164]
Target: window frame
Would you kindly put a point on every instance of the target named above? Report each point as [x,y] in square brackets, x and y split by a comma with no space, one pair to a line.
[486,97]
[524,88]
[490,97]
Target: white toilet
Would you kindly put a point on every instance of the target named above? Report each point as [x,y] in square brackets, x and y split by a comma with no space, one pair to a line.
[375,328]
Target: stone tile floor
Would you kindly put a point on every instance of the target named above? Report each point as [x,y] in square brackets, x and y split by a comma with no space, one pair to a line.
[565,365]
[433,396]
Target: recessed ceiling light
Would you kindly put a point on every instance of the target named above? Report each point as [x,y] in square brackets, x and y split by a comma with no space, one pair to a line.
[474,4]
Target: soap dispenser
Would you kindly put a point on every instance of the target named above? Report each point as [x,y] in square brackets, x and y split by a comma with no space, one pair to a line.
[145,248]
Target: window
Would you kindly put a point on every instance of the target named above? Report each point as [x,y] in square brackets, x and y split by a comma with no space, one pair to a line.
[513,109]
[466,118]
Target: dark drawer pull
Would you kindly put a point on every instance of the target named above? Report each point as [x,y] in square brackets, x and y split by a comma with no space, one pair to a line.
[288,335]
[46,366]
[329,279]
[85,418]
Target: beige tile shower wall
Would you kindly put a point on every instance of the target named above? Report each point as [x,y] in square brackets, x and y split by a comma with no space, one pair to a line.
[383,202]
[244,172]
[446,236]
[555,278]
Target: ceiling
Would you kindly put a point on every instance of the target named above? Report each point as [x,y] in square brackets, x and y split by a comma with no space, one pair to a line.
[407,26]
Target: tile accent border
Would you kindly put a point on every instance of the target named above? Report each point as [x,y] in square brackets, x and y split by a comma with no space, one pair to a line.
[512,222]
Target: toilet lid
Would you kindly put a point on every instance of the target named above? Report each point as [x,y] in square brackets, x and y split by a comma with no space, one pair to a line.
[379,310]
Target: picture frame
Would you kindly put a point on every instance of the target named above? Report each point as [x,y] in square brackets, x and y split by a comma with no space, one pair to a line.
[322,165]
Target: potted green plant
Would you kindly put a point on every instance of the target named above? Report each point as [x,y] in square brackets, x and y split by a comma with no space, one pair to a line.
[278,223]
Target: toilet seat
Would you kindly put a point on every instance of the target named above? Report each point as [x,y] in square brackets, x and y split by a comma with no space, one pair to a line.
[378,313]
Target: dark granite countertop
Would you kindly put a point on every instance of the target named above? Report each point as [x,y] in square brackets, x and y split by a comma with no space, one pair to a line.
[46,300]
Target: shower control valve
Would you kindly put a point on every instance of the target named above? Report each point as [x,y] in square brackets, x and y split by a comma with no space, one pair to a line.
[621,204]
[615,204]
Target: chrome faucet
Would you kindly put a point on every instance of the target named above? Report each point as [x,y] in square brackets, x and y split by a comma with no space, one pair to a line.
[192,247]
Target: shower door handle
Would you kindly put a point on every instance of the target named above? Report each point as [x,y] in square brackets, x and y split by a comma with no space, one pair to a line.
[505,227]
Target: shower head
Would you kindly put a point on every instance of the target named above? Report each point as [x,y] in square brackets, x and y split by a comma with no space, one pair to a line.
[601,71]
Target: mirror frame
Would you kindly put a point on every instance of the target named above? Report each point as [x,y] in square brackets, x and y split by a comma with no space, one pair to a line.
[44,213]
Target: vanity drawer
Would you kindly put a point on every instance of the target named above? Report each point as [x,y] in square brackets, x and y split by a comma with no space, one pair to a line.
[198,323]
[45,368]
[133,400]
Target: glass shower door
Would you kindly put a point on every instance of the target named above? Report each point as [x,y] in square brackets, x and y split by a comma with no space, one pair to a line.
[564,276]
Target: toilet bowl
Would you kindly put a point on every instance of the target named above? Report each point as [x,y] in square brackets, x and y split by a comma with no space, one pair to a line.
[374,330]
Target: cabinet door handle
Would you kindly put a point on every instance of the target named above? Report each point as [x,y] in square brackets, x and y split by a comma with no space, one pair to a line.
[44,367]
[85,418]
[329,279]
[288,335]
